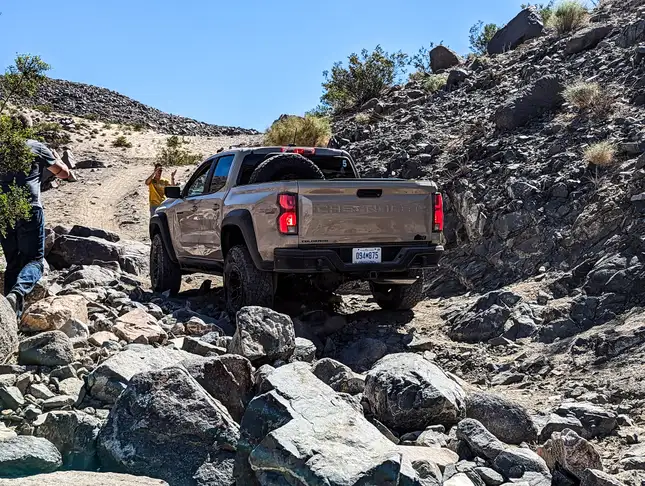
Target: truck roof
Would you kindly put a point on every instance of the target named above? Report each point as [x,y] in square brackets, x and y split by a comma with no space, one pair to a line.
[277,149]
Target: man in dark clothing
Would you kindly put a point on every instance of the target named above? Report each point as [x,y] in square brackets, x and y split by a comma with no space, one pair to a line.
[24,245]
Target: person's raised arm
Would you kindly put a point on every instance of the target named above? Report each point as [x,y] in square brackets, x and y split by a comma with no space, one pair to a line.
[172,178]
[149,179]
[59,169]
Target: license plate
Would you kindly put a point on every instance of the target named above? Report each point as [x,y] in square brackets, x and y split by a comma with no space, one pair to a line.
[366,255]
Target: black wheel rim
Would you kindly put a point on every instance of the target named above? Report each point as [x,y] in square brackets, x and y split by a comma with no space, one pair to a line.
[234,289]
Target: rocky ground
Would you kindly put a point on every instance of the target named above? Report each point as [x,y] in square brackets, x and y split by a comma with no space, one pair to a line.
[524,366]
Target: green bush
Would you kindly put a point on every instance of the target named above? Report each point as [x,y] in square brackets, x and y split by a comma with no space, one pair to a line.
[435,82]
[91,116]
[21,80]
[364,78]
[480,36]
[121,142]
[45,109]
[568,16]
[174,153]
[307,131]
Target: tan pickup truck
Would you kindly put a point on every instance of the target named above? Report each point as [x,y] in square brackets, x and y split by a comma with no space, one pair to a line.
[257,215]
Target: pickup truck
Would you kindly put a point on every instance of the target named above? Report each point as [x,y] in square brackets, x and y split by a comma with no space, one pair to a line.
[257,215]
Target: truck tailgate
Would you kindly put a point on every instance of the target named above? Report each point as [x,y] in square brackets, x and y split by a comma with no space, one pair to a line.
[364,211]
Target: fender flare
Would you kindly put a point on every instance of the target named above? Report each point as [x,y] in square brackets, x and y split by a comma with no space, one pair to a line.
[159,224]
[242,220]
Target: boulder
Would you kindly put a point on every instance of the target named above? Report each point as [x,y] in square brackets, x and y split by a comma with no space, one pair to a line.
[71,250]
[263,335]
[11,397]
[166,425]
[593,477]
[227,378]
[361,355]
[305,351]
[8,330]
[568,450]
[110,378]
[506,420]
[52,313]
[587,38]
[441,58]
[80,478]
[90,276]
[459,479]
[408,393]
[338,376]
[74,388]
[543,96]
[479,439]
[514,463]
[632,34]
[456,77]
[525,26]
[485,319]
[52,348]
[24,455]
[597,421]
[201,348]
[557,423]
[74,434]
[87,232]
[139,327]
[301,428]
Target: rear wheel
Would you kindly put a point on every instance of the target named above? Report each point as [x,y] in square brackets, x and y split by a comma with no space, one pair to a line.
[244,284]
[398,297]
[165,275]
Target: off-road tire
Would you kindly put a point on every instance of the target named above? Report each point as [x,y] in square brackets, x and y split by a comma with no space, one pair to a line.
[164,273]
[285,167]
[398,297]
[255,287]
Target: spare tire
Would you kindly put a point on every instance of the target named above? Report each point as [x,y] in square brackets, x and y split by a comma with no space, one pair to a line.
[286,167]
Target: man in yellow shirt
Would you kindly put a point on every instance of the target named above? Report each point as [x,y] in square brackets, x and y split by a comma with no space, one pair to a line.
[156,186]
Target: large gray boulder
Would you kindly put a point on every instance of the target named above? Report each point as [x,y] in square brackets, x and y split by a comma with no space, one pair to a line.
[108,380]
[263,335]
[302,432]
[74,434]
[25,455]
[227,378]
[525,26]
[485,319]
[479,439]
[506,420]
[51,348]
[408,393]
[87,232]
[165,425]
[541,97]
[587,38]
[514,463]
[568,450]
[441,58]
[71,250]
[8,330]
[81,478]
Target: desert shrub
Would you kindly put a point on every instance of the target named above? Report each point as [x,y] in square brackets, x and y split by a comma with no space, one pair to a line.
[138,127]
[480,35]
[174,153]
[362,118]
[21,80]
[435,82]
[420,62]
[544,9]
[52,134]
[589,97]
[600,154]
[45,109]
[568,16]
[121,142]
[308,131]
[91,116]
[365,76]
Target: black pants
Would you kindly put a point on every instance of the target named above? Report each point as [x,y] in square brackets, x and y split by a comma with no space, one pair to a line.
[24,250]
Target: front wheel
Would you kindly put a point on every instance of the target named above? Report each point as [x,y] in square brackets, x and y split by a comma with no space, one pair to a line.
[165,275]
[244,284]
[398,297]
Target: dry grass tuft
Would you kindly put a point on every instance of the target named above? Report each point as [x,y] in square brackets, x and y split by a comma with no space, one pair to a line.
[569,16]
[601,154]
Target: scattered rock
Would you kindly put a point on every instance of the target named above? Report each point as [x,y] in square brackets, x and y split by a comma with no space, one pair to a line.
[587,39]
[52,348]
[593,477]
[541,97]
[513,463]
[8,330]
[338,376]
[305,351]
[570,451]
[597,422]
[52,313]
[139,327]
[408,393]
[506,420]
[11,397]
[361,355]
[24,455]
[479,439]
[79,478]
[263,335]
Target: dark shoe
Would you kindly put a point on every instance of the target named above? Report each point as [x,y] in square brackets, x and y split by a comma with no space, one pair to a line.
[12,298]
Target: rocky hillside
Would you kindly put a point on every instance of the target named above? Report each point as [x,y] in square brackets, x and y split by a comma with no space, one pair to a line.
[509,152]
[108,106]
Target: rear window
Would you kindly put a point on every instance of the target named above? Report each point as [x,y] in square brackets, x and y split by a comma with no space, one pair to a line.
[334,167]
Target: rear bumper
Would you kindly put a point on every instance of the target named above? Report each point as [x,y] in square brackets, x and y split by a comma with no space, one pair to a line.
[322,260]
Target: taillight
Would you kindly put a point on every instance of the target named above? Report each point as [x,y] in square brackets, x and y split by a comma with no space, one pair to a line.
[437,218]
[299,150]
[288,219]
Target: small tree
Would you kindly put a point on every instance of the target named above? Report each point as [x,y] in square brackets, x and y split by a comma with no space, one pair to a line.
[20,80]
[365,76]
[174,153]
[480,36]
[421,62]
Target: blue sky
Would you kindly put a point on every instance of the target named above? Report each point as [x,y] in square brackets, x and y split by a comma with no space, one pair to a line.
[237,63]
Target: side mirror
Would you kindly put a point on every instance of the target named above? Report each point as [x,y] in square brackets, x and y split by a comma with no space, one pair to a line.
[173,192]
